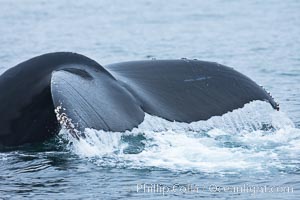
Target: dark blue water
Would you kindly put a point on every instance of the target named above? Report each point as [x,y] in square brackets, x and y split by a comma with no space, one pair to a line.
[249,153]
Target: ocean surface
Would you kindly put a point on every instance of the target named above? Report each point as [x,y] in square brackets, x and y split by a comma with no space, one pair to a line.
[250,153]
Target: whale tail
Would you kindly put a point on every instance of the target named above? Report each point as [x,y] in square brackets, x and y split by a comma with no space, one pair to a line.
[115,97]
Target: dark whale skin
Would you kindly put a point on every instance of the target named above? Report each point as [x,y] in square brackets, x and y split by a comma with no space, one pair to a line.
[27,110]
[114,97]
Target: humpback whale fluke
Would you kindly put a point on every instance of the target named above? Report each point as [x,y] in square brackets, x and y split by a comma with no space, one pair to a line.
[114,97]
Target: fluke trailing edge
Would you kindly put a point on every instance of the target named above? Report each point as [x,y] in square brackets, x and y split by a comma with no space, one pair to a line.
[114,97]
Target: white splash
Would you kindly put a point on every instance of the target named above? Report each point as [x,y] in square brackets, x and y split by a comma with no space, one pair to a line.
[252,138]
